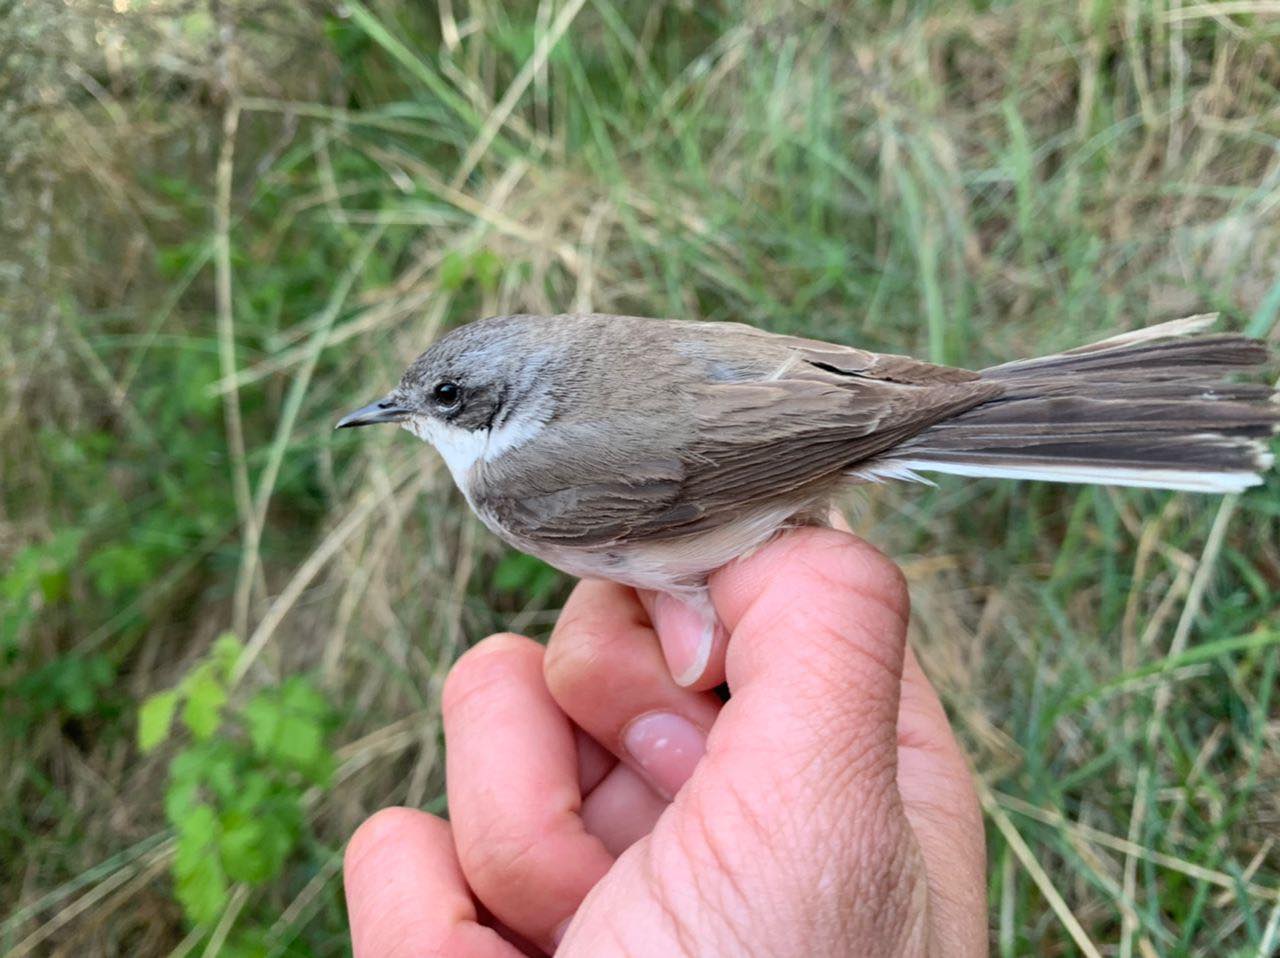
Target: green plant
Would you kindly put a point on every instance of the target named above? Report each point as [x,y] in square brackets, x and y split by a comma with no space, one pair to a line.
[36,577]
[235,791]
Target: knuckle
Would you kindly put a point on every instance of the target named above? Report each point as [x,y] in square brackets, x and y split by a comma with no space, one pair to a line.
[850,566]
[487,662]
[576,658]
[503,859]
[382,828]
[865,624]
[571,654]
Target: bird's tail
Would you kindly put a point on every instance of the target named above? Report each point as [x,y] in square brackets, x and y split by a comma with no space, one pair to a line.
[1148,408]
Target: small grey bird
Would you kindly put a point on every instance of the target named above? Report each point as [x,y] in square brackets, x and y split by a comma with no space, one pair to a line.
[652,452]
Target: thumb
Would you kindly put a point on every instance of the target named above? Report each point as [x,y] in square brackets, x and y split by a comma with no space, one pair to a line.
[818,622]
[791,834]
[796,799]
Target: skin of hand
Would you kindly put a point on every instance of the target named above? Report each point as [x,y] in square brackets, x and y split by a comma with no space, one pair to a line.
[598,808]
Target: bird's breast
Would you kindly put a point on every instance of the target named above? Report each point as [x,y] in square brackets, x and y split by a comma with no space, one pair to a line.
[667,565]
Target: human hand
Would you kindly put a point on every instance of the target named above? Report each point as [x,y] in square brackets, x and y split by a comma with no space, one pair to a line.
[825,809]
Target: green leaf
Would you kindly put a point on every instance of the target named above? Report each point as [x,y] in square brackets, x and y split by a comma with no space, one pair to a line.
[254,847]
[72,683]
[486,266]
[200,830]
[226,654]
[287,727]
[54,584]
[199,878]
[458,267]
[118,569]
[517,572]
[99,671]
[201,890]
[256,790]
[202,712]
[179,799]
[78,680]
[455,270]
[183,791]
[221,768]
[37,575]
[154,718]
[250,943]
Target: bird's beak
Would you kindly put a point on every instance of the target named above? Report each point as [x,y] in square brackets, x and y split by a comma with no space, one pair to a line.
[384,410]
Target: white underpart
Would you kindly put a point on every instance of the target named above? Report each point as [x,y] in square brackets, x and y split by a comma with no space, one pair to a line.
[676,566]
[1181,479]
[461,449]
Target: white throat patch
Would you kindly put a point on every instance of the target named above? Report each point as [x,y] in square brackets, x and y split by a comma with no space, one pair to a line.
[461,449]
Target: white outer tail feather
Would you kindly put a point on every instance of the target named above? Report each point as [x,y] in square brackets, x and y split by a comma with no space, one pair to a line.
[1184,480]
[1247,471]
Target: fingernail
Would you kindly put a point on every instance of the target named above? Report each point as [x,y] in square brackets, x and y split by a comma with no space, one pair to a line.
[667,747]
[687,637]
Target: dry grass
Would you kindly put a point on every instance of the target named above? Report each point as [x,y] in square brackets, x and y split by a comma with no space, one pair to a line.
[229,223]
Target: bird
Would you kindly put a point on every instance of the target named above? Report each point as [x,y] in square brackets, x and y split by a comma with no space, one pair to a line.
[651,452]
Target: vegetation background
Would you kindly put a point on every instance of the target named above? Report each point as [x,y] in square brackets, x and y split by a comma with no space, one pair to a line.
[225,222]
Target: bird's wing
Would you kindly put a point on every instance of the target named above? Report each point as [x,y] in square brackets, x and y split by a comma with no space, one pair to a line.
[751,435]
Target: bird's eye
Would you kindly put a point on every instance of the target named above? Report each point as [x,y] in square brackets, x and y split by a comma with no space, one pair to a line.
[446,393]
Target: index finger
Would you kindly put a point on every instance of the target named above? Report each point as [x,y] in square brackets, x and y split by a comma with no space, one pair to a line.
[514,792]
[405,892]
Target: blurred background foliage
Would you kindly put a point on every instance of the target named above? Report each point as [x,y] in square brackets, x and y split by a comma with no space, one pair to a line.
[223,627]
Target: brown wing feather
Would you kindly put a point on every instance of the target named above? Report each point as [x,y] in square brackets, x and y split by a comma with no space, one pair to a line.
[763,418]
[748,451]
